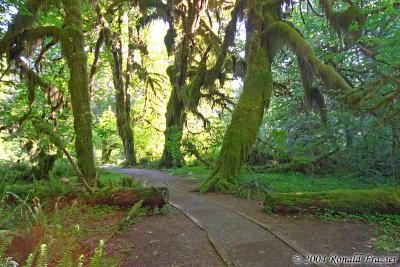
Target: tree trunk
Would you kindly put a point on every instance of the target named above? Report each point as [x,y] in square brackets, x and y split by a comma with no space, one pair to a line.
[129,144]
[73,47]
[178,74]
[106,150]
[175,117]
[248,114]
[395,157]
[155,197]
[122,106]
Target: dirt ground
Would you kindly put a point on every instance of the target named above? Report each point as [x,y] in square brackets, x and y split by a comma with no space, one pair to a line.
[169,240]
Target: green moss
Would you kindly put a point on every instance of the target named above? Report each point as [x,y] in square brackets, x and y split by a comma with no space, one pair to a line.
[283,33]
[344,200]
[349,22]
[246,119]
[73,44]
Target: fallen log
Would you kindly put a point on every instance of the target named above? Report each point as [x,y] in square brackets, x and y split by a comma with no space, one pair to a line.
[152,198]
[346,200]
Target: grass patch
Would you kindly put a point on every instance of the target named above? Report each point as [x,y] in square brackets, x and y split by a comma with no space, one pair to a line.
[297,182]
[285,182]
[192,172]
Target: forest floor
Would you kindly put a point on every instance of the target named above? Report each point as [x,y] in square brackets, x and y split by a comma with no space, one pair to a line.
[215,229]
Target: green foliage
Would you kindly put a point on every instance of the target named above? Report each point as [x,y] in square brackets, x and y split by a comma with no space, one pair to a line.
[42,257]
[15,170]
[174,137]
[133,216]
[62,168]
[165,210]
[113,179]
[96,258]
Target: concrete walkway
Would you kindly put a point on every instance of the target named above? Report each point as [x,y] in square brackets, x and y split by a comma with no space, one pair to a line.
[238,240]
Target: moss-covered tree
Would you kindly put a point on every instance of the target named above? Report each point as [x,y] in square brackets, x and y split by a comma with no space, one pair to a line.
[112,37]
[23,35]
[73,45]
[267,33]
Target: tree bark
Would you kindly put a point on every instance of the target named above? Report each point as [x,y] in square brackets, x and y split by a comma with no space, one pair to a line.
[122,105]
[175,117]
[248,114]
[395,157]
[178,73]
[73,47]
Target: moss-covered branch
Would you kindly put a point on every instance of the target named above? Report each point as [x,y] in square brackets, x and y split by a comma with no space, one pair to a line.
[229,37]
[55,97]
[280,34]
[24,19]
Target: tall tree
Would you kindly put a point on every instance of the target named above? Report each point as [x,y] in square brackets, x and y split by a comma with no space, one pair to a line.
[121,79]
[73,45]
[267,33]
[22,35]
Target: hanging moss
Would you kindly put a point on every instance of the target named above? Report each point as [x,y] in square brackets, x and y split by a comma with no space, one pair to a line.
[284,34]
[349,23]
[246,119]
[24,19]
[72,42]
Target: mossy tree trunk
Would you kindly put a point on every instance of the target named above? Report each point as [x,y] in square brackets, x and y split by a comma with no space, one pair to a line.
[122,98]
[73,47]
[129,144]
[178,74]
[266,35]
[248,114]
[395,157]
[175,116]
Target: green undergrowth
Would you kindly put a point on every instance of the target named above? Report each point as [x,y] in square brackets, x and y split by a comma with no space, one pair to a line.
[255,185]
[43,215]
[79,229]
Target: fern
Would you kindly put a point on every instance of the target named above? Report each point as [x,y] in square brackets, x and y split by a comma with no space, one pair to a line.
[66,259]
[132,217]
[95,261]
[29,260]
[42,260]
[80,261]
[4,243]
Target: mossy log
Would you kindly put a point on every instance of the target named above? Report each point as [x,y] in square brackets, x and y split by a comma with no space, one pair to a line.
[154,197]
[345,200]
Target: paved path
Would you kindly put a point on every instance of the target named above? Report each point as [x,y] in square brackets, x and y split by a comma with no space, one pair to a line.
[239,241]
